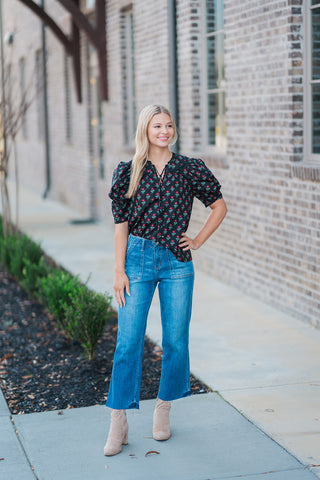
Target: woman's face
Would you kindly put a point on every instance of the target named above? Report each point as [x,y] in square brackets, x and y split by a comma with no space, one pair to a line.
[160,130]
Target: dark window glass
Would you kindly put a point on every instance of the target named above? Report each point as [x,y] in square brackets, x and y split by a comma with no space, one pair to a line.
[215,74]
[315,118]
[315,19]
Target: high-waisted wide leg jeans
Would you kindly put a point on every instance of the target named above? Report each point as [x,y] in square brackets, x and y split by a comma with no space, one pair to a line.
[148,265]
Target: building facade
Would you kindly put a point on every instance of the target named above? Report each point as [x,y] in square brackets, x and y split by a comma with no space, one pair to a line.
[243,79]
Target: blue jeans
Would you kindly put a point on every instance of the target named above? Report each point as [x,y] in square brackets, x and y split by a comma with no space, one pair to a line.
[148,265]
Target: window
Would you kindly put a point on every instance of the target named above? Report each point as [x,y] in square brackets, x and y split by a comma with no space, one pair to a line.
[312,74]
[90,4]
[40,94]
[213,76]
[23,94]
[128,80]
[95,114]
[68,110]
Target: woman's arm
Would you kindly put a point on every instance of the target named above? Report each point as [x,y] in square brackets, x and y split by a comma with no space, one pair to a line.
[218,212]
[121,281]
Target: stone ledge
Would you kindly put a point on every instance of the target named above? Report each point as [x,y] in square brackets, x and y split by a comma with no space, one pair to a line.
[306,172]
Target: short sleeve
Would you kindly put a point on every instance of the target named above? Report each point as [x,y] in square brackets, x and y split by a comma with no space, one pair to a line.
[205,186]
[120,184]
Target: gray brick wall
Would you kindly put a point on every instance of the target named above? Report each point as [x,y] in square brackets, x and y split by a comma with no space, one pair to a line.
[269,244]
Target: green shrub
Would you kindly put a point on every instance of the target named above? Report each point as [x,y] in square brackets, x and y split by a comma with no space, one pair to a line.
[24,251]
[16,250]
[5,253]
[57,291]
[86,318]
[32,274]
[81,313]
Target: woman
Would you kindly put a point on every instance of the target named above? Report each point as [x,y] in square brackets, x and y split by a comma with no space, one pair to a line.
[152,198]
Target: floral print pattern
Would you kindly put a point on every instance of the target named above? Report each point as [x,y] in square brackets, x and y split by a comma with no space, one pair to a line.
[161,209]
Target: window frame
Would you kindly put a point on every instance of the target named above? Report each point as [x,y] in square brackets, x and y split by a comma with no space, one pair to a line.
[309,156]
[210,149]
[68,101]
[128,75]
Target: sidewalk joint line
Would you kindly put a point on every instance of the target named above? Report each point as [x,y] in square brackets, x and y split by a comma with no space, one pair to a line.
[22,446]
[310,382]
[303,465]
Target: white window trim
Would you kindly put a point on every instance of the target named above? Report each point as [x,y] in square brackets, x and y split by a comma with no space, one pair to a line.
[309,157]
[210,150]
[129,81]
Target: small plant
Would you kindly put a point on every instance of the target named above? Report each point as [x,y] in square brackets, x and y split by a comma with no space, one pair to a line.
[15,249]
[32,273]
[57,291]
[23,251]
[86,318]
[81,313]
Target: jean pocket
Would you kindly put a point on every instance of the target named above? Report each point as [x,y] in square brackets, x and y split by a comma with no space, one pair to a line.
[132,242]
[179,269]
[134,259]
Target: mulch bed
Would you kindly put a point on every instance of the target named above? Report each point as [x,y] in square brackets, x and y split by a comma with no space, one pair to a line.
[41,370]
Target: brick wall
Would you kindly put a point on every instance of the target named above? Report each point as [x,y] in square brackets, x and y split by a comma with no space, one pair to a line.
[269,244]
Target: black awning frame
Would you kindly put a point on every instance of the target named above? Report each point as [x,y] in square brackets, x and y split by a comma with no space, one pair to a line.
[96,36]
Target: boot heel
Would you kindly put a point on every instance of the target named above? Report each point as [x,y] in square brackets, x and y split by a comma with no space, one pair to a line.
[125,438]
[118,433]
[161,423]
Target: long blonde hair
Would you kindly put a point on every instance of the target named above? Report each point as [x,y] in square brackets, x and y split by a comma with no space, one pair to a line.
[142,144]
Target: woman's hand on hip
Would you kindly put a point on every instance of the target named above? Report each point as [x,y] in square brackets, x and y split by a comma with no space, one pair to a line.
[187,243]
[121,284]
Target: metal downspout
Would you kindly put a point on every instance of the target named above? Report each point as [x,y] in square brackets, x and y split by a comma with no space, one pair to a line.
[46,109]
[173,66]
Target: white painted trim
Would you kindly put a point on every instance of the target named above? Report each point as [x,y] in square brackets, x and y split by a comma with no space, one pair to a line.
[211,150]
[309,157]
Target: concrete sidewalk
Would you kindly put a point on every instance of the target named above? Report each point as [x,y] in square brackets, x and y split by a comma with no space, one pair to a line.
[262,362]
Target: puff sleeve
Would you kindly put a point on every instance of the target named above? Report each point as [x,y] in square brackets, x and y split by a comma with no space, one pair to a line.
[120,184]
[204,184]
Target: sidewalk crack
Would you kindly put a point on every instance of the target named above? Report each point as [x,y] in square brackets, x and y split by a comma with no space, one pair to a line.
[23,449]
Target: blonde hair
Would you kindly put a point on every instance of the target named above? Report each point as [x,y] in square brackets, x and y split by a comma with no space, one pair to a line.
[140,157]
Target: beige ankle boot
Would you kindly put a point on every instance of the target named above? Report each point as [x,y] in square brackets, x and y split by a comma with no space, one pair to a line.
[118,433]
[161,425]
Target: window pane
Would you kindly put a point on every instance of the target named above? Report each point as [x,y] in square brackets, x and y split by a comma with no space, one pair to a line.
[214,15]
[221,15]
[216,129]
[68,112]
[215,61]
[221,130]
[211,62]
[315,19]
[212,115]
[128,77]
[220,61]
[211,16]
[315,2]
[90,4]
[315,118]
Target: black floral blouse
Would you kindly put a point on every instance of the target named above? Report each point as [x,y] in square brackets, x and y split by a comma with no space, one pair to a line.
[161,208]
